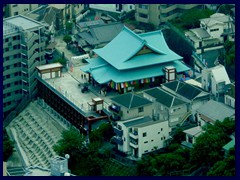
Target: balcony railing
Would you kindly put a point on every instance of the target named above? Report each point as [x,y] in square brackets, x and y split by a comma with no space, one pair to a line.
[119,132]
[118,140]
[133,144]
[134,134]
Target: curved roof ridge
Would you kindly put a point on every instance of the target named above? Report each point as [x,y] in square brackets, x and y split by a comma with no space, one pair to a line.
[134,34]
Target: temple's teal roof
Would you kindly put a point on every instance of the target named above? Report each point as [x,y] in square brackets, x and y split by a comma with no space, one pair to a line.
[117,61]
[105,73]
[121,50]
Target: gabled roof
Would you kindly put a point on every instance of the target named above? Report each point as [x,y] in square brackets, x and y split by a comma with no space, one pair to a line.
[216,110]
[101,33]
[219,73]
[217,18]
[130,43]
[195,131]
[200,32]
[130,100]
[184,89]
[164,98]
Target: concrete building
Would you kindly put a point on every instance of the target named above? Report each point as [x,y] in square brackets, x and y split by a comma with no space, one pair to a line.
[23,50]
[130,105]
[194,96]
[229,97]
[115,8]
[212,111]
[141,135]
[191,136]
[167,106]
[213,32]
[216,81]
[16,9]
[159,13]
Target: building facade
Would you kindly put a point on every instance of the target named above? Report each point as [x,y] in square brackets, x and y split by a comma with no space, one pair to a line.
[23,50]
[159,13]
[16,9]
[141,135]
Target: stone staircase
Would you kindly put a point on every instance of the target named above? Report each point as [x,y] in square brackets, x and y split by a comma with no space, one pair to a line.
[36,135]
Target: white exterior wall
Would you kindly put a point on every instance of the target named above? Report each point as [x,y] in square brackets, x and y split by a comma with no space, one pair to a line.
[230,101]
[125,137]
[216,34]
[155,137]
[133,113]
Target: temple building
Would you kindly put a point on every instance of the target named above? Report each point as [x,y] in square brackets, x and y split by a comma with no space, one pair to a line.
[133,60]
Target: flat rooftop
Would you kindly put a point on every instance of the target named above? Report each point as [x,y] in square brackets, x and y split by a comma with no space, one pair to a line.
[23,22]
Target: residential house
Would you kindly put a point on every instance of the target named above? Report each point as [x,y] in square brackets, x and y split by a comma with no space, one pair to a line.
[97,35]
[212,111]
[193,95]
[141,135]
[213,32]
[130,105]
[191,136]
[167,106]
[216,81]
[17,9]
[114,8]
[229,97]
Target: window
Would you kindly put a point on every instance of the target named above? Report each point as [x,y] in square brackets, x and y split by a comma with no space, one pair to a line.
[6,49]
[16,13]
[143,15]
[152,140]
[6,40]
[8,76]
[144,134]
[158,132]
[140,109]
[14,5]
[6,58]
[146,151]
[145,142]
[161,129]
[142,6]
[212,30]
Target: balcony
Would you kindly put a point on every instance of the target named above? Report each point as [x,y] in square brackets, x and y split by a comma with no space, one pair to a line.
[134,135]
[133,144]
[118,131]
[118,140]
[114,108]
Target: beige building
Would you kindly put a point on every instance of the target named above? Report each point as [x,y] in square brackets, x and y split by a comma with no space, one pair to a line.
[23,50]
[16,9]
[159,13]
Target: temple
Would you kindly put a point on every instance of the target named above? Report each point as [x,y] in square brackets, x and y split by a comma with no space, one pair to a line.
[133,60]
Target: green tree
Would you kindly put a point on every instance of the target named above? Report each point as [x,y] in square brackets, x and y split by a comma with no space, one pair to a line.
[67,39]
[61,60]
[209,146]
[225,9]
[8,146]
[71,143]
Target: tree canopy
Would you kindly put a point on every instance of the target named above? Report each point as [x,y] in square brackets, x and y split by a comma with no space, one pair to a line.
[67,39]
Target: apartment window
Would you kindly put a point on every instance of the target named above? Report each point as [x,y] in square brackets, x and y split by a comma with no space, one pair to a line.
[212,30]
[143,15]
[7,76]
[16,64]
[6,58]
[16,56]
[145,142]
[7,67]
[144,134]
[6,40]
[142,6]
[16,47]
[16,38]
[6,49]
[140,109]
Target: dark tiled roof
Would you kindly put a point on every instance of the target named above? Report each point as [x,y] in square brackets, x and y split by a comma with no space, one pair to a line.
[164,98]
[101,33]
[184,89]
[130,100]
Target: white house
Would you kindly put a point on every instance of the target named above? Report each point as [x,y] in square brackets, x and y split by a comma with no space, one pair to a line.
[193,95]
[229,97]
[167,106]
[130,105]
[191,136]
[212,111]
[141,135]
[213,32]
[215,80]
